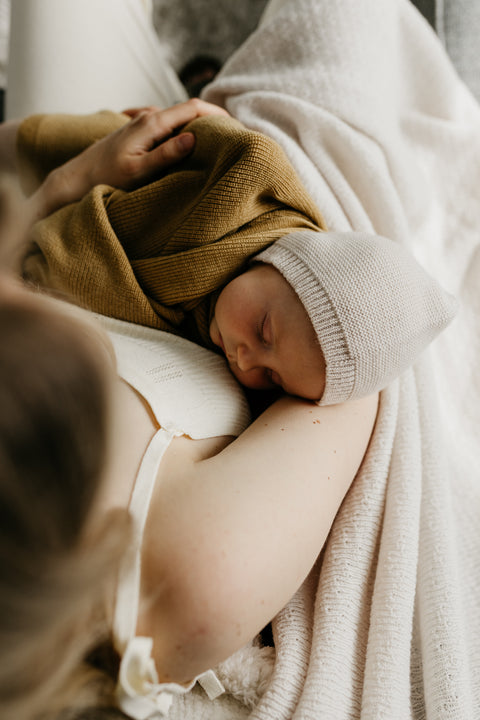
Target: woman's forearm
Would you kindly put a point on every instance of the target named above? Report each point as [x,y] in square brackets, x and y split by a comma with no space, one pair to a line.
[66,184]
[238,533]
[62,186]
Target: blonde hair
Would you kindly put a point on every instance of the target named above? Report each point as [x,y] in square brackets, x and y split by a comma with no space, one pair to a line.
[53,581]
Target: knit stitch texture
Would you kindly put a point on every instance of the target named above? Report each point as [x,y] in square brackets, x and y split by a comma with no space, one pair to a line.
[158,255]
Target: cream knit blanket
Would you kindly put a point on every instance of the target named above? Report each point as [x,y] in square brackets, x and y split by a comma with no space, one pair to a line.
[363,99]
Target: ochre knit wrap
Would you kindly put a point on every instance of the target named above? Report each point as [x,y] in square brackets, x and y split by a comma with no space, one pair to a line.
[158,255]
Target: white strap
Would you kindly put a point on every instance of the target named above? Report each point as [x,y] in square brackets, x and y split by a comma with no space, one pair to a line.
[128,588]
[138,692]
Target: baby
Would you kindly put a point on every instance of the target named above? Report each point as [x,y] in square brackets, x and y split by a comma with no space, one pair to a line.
[325,316]
[328,316]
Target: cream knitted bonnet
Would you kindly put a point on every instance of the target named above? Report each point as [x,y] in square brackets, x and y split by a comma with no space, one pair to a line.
[372,306]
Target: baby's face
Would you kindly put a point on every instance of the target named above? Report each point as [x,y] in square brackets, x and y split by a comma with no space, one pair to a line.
[266,335]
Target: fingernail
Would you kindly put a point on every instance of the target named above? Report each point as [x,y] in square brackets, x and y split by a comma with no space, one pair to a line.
[186,141]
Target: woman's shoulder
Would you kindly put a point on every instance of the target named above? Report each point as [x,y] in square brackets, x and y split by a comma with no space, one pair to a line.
[188,388]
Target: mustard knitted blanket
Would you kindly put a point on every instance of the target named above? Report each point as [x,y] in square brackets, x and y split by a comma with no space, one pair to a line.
[158,255]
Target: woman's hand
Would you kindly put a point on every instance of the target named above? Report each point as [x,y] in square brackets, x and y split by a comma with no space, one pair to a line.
[127,158]
[132,155]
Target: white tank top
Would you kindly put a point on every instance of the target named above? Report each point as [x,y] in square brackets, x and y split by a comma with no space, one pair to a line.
[190,392]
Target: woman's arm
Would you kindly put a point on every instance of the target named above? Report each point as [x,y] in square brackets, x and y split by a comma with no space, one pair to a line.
[232,537]
[125,159]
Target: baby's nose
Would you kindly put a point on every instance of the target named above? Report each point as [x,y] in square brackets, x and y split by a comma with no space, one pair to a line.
[246,358]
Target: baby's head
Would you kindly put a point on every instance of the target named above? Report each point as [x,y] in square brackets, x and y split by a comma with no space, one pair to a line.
[328,316]
[266,334]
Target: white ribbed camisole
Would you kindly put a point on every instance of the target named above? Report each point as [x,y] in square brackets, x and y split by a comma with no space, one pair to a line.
[190,392]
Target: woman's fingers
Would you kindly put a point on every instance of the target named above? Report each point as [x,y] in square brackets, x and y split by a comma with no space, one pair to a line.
[181,114]
[147,144]
[133,112]
[162,156]
[156,125]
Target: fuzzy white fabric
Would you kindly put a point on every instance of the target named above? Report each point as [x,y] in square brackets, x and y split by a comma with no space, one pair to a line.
[365,102]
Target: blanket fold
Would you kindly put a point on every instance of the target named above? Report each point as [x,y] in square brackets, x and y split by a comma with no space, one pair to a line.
[158,255]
